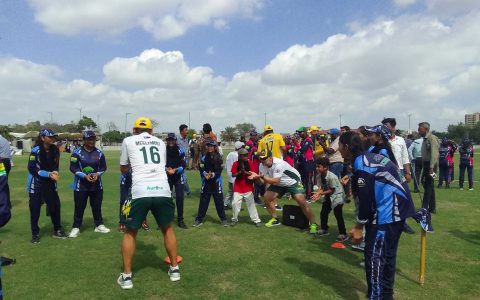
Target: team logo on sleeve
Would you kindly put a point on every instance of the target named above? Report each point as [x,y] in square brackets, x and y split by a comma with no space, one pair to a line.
[73,159]
[32,157]
[361,182]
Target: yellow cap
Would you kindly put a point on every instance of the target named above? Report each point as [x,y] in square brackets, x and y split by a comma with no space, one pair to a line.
[143,123]
[267,128]
[314,127]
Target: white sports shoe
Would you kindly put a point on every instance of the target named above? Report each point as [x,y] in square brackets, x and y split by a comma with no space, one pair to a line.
[125,283]
[174,274]
[102,229]
[74,233]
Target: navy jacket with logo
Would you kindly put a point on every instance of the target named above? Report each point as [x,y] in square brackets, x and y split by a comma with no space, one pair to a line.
[82,163]
[383,193]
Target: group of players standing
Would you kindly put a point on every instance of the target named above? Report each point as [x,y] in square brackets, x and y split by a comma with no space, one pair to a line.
[362,165]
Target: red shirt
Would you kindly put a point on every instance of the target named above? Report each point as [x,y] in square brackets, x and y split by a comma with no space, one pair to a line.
[242,184]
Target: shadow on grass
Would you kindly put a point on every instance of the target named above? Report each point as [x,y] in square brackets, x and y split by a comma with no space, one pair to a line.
[345,255]
[471,236]
[145,256]
[345,285]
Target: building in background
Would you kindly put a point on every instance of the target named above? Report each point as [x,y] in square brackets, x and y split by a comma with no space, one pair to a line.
[472,119]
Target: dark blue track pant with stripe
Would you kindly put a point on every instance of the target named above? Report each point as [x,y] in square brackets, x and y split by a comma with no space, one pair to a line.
[381,244]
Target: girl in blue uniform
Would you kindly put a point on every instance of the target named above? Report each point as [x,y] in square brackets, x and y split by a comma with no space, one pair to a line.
[88,164]
[43,175]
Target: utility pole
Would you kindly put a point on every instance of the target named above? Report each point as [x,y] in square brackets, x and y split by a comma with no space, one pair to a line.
[265,123]
[188,120]
[51,116]
[80,110]
[409,127]
[126,116]
[340,120]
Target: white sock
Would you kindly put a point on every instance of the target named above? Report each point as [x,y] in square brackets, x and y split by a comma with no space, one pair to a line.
[174,268]
[125,275]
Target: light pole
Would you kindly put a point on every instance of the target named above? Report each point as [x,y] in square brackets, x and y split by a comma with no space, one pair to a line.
[51,116]
[409,128]
[80,110]
[189,120]
[340,120]
[126,116]
[265,123]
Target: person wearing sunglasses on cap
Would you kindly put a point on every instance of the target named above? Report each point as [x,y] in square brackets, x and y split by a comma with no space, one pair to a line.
[88,164]
[43,164]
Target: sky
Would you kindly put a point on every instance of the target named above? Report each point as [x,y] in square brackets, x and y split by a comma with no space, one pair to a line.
[290,62]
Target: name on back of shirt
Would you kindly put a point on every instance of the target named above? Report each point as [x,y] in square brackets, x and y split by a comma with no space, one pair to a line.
[147,143]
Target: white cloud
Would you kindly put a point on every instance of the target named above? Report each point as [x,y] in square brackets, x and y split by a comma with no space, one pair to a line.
[155,69]
[403,3]
[164,19]
[210,50]
[411,64]
[452,7]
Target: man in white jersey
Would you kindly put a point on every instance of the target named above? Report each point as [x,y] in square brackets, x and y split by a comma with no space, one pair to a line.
[145,155]
[281,178]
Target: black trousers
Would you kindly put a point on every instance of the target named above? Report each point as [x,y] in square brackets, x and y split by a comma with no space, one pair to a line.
[204,203]
[429,188]
[444,175]
[179,195]
[81,199]
[338,212]
[381,244]
[306,170]
[50,196]
[469,169]
[418,166]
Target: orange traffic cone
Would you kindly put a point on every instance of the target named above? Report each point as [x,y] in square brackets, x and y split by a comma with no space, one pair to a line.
[338,245]
[179,259]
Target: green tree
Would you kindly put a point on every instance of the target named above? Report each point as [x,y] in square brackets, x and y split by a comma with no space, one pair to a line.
[229,134]
[86,122]
[111,137]
[244,128]
[191,132]
[5,131]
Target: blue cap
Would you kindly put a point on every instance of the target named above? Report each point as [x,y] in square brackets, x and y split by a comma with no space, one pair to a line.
[47,132]
[211,142]
[88,134]
[334,131]
[380,129]
[444,140]
[171,136]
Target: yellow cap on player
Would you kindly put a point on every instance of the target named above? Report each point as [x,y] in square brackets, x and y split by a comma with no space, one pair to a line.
[267,128]
[143,123]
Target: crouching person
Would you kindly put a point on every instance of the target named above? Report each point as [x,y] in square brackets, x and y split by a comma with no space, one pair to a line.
[243,188]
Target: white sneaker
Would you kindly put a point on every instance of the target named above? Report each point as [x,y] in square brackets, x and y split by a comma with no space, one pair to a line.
[102,229]
[174,274]
[125,283]
[74,233]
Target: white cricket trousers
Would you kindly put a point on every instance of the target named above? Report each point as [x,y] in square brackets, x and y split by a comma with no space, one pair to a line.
[237,205]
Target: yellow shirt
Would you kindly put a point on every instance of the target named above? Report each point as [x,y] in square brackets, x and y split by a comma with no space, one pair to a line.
[319,152]
[272,142]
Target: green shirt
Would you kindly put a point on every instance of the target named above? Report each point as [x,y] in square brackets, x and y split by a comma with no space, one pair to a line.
[430,147]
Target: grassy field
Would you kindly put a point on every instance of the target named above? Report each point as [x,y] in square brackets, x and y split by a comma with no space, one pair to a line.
[242,262]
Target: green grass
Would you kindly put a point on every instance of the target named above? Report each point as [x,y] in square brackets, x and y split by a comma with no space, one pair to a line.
[242,262]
